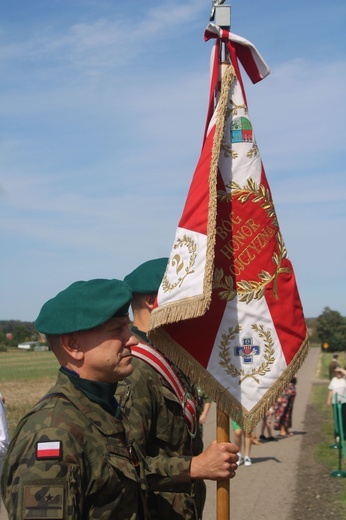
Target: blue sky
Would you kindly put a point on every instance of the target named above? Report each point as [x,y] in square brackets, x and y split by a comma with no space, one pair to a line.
[103,105]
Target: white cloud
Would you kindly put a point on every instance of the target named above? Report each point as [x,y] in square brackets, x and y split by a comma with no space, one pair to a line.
[103,121]
[300,114]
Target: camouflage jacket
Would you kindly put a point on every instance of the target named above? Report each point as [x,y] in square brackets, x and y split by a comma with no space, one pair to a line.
[156,416]
[90,471]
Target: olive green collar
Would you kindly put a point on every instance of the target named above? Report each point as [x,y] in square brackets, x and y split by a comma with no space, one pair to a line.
[96,391]
[140,334]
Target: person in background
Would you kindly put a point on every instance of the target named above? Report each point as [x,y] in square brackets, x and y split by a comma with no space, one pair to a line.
[333,365]
[283,409]
[267,426]
[73,456]
[337,394]
[206,404]
[255,439]
[165,421]
[239,437]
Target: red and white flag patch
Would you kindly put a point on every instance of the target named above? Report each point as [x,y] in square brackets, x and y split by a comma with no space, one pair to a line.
[49,450]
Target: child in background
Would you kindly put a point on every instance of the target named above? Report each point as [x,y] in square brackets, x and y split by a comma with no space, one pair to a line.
[238,438]
[267,425]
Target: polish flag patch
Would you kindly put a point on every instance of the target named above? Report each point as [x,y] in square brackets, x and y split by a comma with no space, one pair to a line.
[49,450]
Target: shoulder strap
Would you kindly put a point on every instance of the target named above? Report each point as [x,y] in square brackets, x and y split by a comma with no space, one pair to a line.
[156,360]
[53,394]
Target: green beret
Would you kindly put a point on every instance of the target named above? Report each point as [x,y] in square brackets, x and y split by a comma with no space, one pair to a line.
[147,278]
[83,306]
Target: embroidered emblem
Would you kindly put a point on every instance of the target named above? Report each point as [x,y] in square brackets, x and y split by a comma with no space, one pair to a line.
[247,351]
[241,130]
[43,501]
[49,450]
[181,264]
[226,356]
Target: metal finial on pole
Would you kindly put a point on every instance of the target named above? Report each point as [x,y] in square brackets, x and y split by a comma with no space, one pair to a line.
[221,14]
[214,4]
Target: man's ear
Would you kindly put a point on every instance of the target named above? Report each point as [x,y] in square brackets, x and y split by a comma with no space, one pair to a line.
[150,300]
[69,343]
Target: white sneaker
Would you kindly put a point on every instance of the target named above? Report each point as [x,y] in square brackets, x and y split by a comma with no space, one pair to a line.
[241,459]
[247,461]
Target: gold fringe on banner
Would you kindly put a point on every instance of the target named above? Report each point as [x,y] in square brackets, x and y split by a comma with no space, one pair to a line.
[247,420]
[196,306]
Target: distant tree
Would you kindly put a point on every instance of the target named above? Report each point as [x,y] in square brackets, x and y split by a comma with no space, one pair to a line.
[13,332]
[311,326]
[20,334]
[331,330]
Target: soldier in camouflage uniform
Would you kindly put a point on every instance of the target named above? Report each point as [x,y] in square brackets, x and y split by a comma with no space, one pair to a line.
[174,449]
[73,456]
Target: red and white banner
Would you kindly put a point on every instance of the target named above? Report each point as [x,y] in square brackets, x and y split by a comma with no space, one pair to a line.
[228,310]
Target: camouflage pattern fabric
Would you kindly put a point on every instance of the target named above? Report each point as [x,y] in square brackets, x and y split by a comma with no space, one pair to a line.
[93,474]
[156,416]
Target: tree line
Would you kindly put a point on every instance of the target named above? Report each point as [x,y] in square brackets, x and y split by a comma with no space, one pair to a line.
[13,332]
[331,330]
[328,329]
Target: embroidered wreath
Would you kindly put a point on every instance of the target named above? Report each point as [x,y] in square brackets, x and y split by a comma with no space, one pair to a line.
[179,263]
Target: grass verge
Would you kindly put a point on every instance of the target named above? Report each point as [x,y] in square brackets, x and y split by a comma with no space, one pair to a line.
[25,376]
[326,455]
[26,364]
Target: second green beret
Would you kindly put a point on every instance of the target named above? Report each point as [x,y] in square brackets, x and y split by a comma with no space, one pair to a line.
[147,277]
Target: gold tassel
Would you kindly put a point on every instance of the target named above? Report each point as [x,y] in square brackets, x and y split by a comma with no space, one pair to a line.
[196,306]
[247,420]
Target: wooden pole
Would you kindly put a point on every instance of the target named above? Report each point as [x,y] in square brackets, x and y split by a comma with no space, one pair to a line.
[222,498]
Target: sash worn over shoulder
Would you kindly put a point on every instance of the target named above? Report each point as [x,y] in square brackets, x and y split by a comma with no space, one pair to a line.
[155,359]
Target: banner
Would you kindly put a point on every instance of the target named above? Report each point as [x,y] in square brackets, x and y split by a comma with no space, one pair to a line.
[228,312]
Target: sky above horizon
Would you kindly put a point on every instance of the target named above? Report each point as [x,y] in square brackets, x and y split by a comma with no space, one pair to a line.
[103,105]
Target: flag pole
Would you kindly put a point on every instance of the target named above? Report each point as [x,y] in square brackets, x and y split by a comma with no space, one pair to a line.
[221,15]
[222,497]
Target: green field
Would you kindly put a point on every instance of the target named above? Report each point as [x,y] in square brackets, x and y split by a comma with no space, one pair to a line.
[26,376]
[19,364]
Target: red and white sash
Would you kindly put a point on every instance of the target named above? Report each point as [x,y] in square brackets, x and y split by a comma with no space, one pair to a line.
[155,359]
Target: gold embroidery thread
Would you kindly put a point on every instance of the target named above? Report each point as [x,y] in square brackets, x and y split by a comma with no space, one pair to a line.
[248,290]
[178,263]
